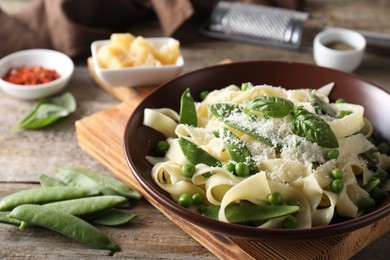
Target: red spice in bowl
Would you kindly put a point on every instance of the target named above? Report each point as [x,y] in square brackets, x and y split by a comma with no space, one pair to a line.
[30,75]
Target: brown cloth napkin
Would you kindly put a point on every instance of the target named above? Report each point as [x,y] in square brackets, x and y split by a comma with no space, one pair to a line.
[70,26]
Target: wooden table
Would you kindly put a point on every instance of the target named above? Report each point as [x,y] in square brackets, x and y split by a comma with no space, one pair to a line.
[25,154]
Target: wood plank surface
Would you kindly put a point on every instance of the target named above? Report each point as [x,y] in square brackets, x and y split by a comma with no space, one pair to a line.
[101,135]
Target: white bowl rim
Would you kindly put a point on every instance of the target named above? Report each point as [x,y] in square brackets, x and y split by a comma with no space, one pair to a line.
[94,46]
[64,77]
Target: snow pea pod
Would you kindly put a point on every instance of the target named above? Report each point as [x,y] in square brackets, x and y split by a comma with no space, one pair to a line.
[320,106]
[187,109]
[47,181]
[238,151]
[83,206]
[105,181]
[197,155]
[114,217]
[44,195]
[64,223]
[222,112]
[250,213]
[7,220]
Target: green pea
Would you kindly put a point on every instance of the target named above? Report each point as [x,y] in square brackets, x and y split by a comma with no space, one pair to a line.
[229,166]
[113,218]
[382,175]
[290,222]
[275,198]
[366,204]
[162,147]
[188,169]
[185,200]
[198,198]
[64,223]
[336,173]
[336,186]
[333,154]
[44,195]
[383,148]
[203,95]
[340,101]
[241,169]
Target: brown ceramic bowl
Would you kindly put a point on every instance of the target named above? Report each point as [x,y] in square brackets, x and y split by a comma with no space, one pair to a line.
[140,140]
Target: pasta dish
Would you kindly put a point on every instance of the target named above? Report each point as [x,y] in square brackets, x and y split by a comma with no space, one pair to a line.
[269,157]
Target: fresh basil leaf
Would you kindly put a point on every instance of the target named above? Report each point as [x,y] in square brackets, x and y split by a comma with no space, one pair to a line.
[320,106]
[222,111]
[313,128]
[271,106]
[47,111]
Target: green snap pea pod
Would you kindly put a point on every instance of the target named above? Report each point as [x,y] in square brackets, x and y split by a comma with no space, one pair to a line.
[44,195]
[84,206]
[114,217]
[187,109]
[7,220]
[238,151]
[108,182]
[222,111]
[197,155]
[250,213]
[74,178]
[47,181]
[320,106]
[64,223]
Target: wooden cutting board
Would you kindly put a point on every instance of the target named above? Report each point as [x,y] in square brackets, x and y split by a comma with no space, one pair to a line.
[101,135]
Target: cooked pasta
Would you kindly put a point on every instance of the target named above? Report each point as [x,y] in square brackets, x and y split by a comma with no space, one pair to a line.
[285,138]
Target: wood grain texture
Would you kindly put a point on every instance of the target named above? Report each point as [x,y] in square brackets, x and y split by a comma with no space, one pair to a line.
[100,135]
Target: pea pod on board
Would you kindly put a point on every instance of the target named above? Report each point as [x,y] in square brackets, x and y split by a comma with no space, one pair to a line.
[64,223]
[250,213]
[108,182]
[197,155]
[44,195]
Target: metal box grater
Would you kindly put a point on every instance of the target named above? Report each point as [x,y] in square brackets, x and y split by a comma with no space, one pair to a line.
[256,24]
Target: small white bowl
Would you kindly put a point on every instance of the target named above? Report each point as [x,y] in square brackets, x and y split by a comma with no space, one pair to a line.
[137,75]
[345,60]
[46,58]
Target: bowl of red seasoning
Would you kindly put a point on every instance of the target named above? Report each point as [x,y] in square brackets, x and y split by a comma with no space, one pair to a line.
[35,73]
